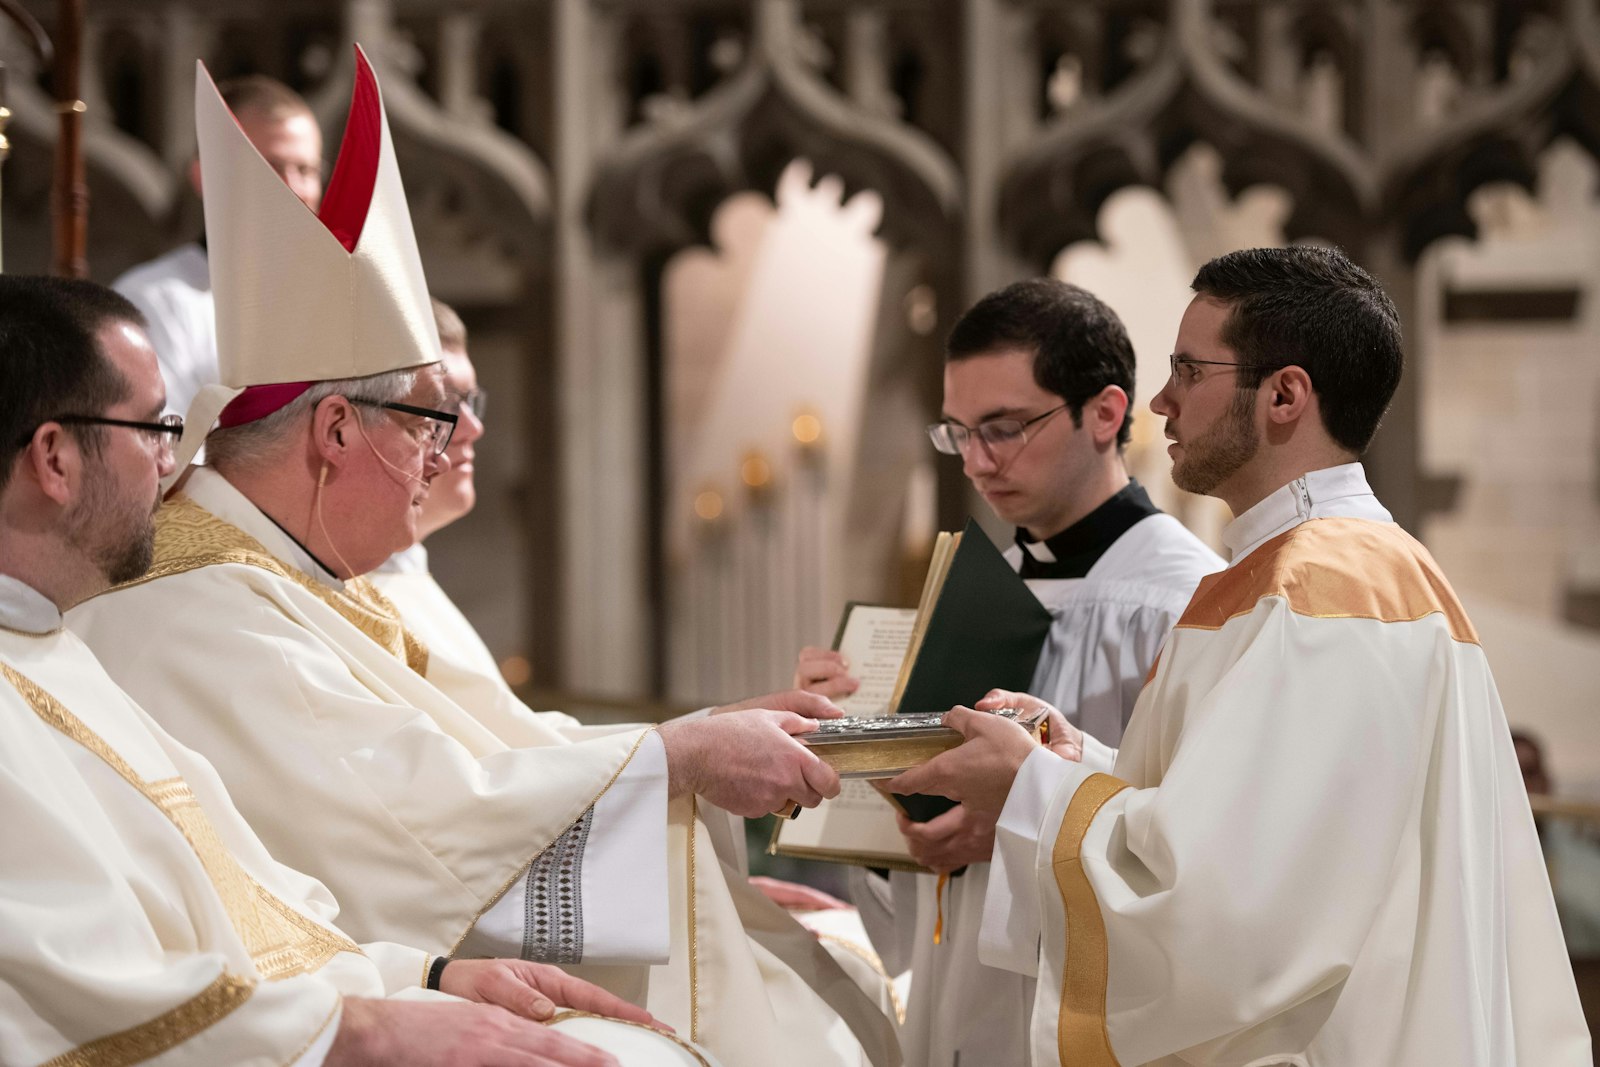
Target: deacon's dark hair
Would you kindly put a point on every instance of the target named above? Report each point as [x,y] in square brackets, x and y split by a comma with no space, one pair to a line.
[50,362]
[1079,345]
[1314,309]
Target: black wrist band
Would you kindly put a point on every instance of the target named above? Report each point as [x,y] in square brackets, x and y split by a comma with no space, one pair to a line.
[436,970]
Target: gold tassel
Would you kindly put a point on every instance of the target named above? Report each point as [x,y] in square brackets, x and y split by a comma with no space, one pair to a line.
[938,922]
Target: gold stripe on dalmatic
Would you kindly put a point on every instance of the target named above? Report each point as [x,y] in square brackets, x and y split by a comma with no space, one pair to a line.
[1081,1036]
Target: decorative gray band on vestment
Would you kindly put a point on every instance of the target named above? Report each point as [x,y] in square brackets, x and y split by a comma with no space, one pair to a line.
[553,920]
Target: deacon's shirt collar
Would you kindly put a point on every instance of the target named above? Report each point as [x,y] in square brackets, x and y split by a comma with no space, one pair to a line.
[1333,492]
[26,610]
[1070,553]
[413,560]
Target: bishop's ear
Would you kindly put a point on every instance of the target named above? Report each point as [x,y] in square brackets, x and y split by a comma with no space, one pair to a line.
[333,433]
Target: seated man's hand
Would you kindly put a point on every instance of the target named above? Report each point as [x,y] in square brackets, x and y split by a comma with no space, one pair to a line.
[412,1033]
[950,841]
[1065,739]
[796,897]
[824,671]
[535,990]
[811,705]
[747,763]
[980,770]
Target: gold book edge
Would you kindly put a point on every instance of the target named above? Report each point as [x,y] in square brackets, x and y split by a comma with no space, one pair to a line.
[873,758]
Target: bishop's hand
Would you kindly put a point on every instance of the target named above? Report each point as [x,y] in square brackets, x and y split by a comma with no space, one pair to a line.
[535,990]
[749,763]
[810,705]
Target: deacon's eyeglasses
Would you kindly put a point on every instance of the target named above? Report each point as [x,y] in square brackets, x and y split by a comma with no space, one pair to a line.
[1185,373]
[999,436]
[437,426]
[161,433]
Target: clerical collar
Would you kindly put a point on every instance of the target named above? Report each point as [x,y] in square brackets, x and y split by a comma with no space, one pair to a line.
[1070,553]
[26,610]
[219,496]
[1333,492]
[301,545]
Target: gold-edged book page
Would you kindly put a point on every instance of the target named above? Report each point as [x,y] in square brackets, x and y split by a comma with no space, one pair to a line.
[944,552]
[857,827]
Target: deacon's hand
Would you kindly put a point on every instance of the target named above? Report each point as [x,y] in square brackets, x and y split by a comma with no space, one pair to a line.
[949,841]
[979,771]
[811,705]
[1065,739]
[747,763]
[536,990]
[402,1033]
[824,671]
[796,897]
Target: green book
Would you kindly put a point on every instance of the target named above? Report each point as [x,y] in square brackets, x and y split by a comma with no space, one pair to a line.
[979,627]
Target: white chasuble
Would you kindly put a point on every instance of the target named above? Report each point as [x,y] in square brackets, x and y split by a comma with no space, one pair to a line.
[482,832]
[140,919]
[1315,849]
[1106,629]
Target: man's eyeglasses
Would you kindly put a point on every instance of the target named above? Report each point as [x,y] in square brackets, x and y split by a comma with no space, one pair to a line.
[477,402]
[1186,371]
[162,433]
[437,426]
[998,435]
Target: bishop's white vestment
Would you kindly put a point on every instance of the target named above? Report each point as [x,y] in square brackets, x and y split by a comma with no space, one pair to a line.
[141,920]
[466,833]
[463,668]
[1314,847]
[1106,629]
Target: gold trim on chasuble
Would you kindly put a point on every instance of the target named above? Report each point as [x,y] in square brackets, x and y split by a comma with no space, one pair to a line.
[280,940]
[189,537]
[1334,569]
[166,1031]
[1081,1036]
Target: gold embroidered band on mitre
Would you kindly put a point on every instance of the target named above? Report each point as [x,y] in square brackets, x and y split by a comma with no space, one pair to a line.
[1081,1036]
[189,537]
[280,940]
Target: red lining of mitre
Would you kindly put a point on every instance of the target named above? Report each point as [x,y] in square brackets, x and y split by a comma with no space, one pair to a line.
[355,174]
[259,401]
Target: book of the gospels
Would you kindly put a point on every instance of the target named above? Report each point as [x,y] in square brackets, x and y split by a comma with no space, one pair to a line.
[977,627]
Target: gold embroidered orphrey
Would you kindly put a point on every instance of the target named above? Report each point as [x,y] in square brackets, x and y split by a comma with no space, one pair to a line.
[189,537]
[280,940]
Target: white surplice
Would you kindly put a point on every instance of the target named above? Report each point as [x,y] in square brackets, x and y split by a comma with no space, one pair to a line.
[1314,848]
[481,833]
[1106,629]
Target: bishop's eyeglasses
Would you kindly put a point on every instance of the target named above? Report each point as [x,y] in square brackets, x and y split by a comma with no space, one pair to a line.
[1000,436]
[437,426]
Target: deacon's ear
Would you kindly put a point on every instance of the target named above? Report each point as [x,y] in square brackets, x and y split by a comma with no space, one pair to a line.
[333,433]
[54,460]
[1290,395]
[1104,414]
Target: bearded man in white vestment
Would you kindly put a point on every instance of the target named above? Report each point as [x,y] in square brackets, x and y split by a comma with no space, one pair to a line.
[142,919]
[1313,847]
[467,832]
[1038,380]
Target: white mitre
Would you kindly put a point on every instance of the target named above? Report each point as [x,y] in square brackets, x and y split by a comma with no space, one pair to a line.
[304,297]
